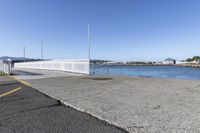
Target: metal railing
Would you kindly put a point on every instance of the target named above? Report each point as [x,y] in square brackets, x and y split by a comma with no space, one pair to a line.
[6,66]
[104,71]
[69,65]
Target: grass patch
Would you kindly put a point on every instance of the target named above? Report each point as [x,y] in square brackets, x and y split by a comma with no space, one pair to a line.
[2,74]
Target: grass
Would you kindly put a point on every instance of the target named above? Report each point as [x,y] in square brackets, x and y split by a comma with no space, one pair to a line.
[2,74]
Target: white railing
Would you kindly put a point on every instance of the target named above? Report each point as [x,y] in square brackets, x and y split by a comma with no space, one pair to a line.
[68,65]
[6,66]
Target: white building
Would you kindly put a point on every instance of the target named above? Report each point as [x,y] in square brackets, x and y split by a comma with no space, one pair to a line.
[169,61]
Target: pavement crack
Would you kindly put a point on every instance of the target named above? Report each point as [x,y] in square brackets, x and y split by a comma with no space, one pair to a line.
[42,107]
[197,86]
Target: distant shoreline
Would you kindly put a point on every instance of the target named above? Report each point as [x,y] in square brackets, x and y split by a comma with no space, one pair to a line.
[181,65]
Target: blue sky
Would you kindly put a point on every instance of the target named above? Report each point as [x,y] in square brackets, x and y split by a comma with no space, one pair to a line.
[120,29]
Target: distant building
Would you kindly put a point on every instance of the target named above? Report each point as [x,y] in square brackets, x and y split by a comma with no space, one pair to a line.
[109,62]
[196,62]
[182,62]
[169,61]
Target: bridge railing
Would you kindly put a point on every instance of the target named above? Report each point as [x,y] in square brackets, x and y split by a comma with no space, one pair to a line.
[68,65]
[6,66]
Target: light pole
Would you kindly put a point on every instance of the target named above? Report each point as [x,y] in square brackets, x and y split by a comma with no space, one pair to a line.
[41,49]
[24,53]
[89,39]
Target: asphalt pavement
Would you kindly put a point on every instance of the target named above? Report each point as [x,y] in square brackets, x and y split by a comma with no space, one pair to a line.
[26,110]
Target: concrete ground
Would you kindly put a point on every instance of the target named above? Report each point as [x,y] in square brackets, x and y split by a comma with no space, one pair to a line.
[137,104]
[29,111]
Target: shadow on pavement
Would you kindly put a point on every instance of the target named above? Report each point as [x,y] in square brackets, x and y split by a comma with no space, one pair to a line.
[25,73]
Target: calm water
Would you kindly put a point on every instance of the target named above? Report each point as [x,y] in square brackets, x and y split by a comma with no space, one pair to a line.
[149,71]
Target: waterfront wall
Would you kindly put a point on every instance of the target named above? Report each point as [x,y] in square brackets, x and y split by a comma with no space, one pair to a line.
[68,65]
[189,65]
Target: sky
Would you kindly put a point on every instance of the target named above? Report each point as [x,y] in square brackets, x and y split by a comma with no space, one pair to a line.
[121,30]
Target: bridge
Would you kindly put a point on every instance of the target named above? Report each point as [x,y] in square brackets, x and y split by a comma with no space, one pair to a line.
[81,66]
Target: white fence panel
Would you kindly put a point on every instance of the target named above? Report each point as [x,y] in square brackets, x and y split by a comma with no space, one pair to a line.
[6,66]
[69,65]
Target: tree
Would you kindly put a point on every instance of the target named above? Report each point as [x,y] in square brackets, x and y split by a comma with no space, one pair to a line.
[193,58]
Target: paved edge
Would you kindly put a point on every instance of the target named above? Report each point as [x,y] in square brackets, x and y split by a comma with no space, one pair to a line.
[98,117]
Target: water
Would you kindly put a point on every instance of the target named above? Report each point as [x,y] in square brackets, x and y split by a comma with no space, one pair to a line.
[149,71]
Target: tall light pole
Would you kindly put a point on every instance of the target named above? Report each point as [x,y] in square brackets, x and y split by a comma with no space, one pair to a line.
[41,49]
[24,53]
[89,39]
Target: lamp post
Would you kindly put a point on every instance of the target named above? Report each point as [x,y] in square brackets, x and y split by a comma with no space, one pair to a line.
[41,49]
[24,53]
[89,39]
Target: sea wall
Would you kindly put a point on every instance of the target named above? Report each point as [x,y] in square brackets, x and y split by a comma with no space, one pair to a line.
[68,65]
